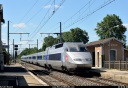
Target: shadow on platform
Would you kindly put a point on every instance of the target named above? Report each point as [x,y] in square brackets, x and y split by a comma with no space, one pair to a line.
[12,81]
[14,69]
[96,72]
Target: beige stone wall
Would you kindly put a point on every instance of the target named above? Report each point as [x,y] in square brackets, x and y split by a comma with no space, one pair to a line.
[116,46]
[98,58]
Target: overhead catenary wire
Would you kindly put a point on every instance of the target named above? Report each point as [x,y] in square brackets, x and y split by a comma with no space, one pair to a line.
[47,19]
[75,14]
[79,19]
[92,12]
[29,10]
[90,4]
[40,23]
[37,12]
[33,15]
[77,11]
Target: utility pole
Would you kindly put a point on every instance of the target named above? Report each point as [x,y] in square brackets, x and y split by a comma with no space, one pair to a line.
[13,50]
[8,37]
[56,33]
[60,33]
[37,45]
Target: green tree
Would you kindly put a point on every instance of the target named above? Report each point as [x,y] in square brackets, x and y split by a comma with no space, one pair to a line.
[76,35]
[28,51]
[79,35]
[67,37]
[111,26]
[49,41]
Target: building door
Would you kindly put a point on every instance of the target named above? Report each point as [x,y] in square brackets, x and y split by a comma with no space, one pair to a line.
[113,55]
[93,59]
[98,59]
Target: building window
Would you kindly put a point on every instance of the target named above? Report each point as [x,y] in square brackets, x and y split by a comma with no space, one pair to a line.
[113,55]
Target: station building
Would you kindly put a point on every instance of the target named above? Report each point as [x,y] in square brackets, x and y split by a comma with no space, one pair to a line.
[110,49]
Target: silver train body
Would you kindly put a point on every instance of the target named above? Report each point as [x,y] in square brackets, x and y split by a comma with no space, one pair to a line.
[67,56]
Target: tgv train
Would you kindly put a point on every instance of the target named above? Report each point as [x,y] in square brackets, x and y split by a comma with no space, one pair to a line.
[68,56]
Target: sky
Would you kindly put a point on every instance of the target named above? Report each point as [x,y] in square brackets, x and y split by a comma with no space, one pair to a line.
[32,17]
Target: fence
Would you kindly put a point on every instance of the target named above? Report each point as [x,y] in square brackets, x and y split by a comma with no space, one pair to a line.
[120,65]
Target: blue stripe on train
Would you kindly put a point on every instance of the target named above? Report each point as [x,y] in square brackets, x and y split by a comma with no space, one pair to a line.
[53,57]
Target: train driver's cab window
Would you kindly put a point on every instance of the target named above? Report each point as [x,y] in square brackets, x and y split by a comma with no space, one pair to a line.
[73,49]
[82,49]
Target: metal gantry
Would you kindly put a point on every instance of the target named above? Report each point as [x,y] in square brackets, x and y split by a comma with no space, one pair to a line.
[56,33]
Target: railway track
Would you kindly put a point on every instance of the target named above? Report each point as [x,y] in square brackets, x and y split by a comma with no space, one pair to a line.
[49,79]
[75,80]
[110,81]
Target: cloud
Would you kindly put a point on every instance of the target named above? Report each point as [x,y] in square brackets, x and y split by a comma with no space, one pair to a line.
[126,25]
[57,6]
[20,25]
[49,6]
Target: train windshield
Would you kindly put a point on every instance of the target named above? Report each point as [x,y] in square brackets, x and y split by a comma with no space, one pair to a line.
[75,49]
[82,49]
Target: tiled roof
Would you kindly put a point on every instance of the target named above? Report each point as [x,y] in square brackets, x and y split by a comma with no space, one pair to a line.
[101,41]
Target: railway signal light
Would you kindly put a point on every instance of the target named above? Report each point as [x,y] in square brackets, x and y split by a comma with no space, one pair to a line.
[16,47]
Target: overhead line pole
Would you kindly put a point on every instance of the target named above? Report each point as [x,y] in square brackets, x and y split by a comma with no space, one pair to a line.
[37,45]
[8,37]
[56,33]
[13,49]
[60,33]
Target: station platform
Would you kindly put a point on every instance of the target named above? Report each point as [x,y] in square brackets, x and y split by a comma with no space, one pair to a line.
[17,75]
[120,76]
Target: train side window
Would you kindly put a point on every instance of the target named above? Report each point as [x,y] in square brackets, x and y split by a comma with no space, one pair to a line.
[29,57]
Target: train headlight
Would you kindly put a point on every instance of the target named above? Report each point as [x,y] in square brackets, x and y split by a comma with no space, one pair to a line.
[66,58]
[78,59]
[88,59]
